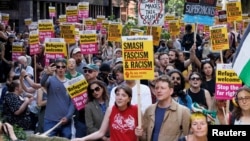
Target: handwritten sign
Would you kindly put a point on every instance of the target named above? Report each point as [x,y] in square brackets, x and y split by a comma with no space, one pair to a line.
[151,12]
[77,90]
[138,57]
[219,37]
[202,12]
[227,82]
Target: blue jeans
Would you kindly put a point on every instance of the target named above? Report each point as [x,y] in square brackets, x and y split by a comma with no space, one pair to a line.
[62,130]
[81,129]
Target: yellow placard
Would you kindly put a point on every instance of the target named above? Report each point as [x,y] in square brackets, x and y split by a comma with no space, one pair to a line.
[77,88]
[71,12]
[227,76]
[62,18]
[99,19]
[219,37]
[5,17]
[89,22]
[156,33]
[88,38]
[27,21]
[68,33]
[115,32]
[174,27]
[33,39]
[17,49]
[136,32]
[83,7]
[55,47]
[169,17]
[138,57]
[52,10]
[234,11]
[45,26]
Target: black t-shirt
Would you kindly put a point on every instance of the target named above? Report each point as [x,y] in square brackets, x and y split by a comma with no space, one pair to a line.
[199,97]
[210,86]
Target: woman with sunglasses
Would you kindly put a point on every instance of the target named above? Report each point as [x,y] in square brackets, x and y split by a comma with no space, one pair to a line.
[96,106]
[197,93]
[121,119]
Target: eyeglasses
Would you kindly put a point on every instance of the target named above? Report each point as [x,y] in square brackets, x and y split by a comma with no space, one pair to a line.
[246,98]
[176,78]
[58,67]
[88,71]
[97,89]
[195,78]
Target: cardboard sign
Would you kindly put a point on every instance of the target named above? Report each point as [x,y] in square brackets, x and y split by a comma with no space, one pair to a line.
[138,57]
[227,82]
[151,12]
[202,12]
[219,37]
[77,90]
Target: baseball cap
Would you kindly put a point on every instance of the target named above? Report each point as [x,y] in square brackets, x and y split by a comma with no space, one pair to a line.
[76,50]
[118,60]
[91,67]
[118,49]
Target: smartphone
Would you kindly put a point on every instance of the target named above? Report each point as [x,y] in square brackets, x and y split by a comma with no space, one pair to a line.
[52,61]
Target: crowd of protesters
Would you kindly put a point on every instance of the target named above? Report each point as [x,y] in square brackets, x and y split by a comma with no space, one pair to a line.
[33,95]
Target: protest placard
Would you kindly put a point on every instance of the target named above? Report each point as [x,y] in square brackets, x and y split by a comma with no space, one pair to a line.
[227,82]
[52,11]
[167,18]
[99,20]
[83,10]
[138,57]
[27,21]
[17,50]
[115,32]
[68,32]
[219,37]
[155,31]
[202,12]
[54,48]
[104,28]
[88,42]
[151,12]
[234,11]
[174,27]
[77,90]
[46,29]
[5,18]
[135,32]
[34,42]
[72,14]
[62,18]
[90,24]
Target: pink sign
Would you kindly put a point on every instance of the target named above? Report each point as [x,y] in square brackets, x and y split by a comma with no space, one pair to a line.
[166,25]
[52,14]
[226,91]
[80,101]
[45,34]
[89,27]
[15,55]
[34,49]
[52,56]
[89,48]
[72,19]
[83,14]
[103,31]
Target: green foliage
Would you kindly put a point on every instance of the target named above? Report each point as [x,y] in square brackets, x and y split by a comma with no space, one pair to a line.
[165,35]
[175,7]
[19,132]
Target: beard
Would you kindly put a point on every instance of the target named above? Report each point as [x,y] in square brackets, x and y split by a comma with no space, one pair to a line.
[178,90]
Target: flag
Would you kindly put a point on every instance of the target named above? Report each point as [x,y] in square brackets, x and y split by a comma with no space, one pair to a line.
[241,62]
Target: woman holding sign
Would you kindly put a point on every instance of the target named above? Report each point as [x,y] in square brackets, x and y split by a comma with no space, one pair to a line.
[120,119]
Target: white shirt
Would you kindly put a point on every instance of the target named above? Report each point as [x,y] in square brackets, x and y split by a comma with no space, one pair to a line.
[146,99]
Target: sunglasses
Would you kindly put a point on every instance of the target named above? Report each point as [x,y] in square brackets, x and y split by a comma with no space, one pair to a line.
[176,78]
[195,78]
[58,67]
[88,71]
[96,89]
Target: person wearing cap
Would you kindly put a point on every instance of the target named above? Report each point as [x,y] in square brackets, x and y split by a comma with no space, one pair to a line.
[59,107]
[91,72]
[118,54]
[80,63]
